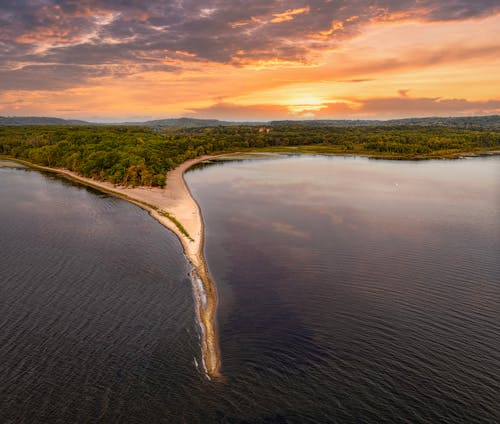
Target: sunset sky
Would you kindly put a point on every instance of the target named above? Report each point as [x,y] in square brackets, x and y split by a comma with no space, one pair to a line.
[111,60]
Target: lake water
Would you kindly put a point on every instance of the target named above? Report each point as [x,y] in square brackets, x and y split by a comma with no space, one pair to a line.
[350,290]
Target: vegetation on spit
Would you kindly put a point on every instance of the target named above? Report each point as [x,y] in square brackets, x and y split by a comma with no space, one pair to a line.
[179,226]
[136,156]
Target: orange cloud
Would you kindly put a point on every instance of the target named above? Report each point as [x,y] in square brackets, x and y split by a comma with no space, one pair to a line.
[252,20]
[48,35]
[400,107]
[323,35]
[373,108]
[288,15]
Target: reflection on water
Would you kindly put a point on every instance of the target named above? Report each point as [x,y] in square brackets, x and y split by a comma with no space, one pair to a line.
[10,164]
[357,290]
[349,291]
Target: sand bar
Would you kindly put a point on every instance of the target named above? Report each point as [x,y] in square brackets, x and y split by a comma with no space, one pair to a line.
[171,206]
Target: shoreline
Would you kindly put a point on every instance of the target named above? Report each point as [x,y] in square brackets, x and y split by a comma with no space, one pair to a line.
[310,150]
[176,209]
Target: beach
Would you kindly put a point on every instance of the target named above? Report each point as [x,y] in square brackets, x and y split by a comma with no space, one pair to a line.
[175,208]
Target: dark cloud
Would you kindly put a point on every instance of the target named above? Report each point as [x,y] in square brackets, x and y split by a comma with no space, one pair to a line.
[61,77]
[105,32]
[460,9]
[45,77]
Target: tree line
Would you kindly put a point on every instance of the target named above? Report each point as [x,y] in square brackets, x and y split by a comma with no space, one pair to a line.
[136,156]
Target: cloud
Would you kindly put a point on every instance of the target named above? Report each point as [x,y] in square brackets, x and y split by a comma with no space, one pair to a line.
[396,107]
[46,77]
[288,15]
[374,108]
[51,46]
[68,31]
[61,77]
[459,9]
[233,112]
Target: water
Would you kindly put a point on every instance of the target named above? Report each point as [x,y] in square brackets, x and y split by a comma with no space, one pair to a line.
[96,307]
[350,291]
[354,290]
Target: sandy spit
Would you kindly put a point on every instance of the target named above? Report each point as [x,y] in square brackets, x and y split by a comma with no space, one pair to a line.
[175,200]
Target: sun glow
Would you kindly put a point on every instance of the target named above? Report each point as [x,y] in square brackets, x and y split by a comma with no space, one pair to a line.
[310,104]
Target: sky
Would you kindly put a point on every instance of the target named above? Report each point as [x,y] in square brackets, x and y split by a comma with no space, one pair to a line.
[115,60]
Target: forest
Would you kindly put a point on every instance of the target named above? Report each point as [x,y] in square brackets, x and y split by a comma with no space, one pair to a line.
[141,156]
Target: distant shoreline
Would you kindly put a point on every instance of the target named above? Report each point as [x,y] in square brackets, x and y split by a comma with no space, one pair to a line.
[317,149]
[176,209]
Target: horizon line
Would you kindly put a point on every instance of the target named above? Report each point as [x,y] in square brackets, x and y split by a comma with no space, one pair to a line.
[263,121]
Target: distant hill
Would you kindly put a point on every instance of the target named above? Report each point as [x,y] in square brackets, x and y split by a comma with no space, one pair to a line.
[191,123]
[158,123]
[39,120]
[490,122]
[466,122]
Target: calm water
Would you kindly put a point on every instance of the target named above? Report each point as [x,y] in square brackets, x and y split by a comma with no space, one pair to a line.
[350,291]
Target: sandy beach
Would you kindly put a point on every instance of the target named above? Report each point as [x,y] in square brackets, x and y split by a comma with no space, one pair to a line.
[172,205]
